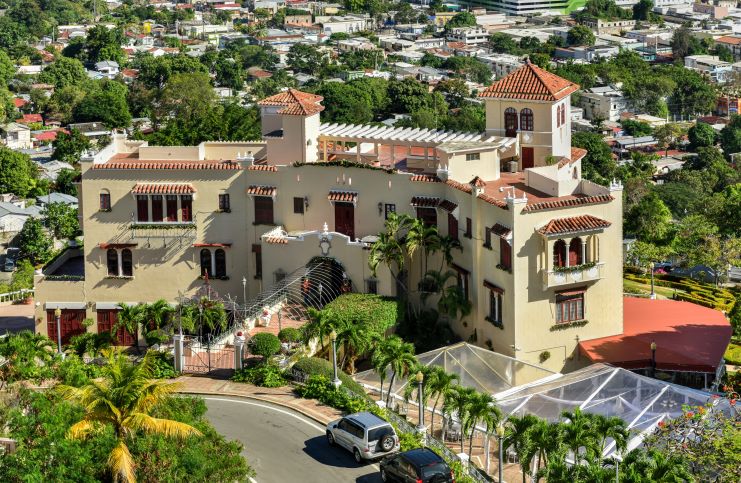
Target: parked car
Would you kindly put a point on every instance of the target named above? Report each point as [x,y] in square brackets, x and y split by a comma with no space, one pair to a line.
[421,465]
[11,255]
[364,434]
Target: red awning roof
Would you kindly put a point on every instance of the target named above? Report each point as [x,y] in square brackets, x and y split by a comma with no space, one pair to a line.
[212,245]
[163,189]
[689,337]
[256,190]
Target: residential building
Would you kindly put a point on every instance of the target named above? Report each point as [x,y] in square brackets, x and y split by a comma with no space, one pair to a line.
[540,263]
[605,102]
[16,136]
[587,53]
[613,26]
[732,43]
[346,24]
[710,65]
[62,198]
[468,35]
[12,218]
[501,64]
[107,68]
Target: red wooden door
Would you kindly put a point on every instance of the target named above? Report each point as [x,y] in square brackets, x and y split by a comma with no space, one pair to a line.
[70,323]
[344,219]
[528,158]
[107,319]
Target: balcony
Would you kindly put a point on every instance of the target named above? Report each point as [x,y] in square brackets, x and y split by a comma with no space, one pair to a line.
[573,275]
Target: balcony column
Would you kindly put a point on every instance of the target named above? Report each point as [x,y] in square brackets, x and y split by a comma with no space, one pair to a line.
[583,253]
[120,262]
[566,249]
[213,262]
[324,143]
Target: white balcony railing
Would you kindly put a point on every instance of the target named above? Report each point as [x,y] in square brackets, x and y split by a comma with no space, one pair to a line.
[553,278]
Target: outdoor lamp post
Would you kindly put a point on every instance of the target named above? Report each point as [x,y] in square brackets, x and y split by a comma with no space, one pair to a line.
[58,316]
[420,399]
[653,294]
[500,437]
[335,380]
[244,290]
[653,359]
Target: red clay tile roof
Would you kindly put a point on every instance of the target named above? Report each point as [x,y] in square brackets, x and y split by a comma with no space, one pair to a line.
[493,201]
[426,178]
[295,103]
[425,202]
[727,39]
[343,196]
[574,224]
[18,102]
[50,135]
[163,189]
[448,205]
[276,240]
[262,167]
[501,230]
[459,186]
[28,118]
[531,83]
[167,165]
[688,337]
[585,200]
[255,190]
[576,155]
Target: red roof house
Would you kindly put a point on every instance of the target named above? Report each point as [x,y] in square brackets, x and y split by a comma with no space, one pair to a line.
[30,118]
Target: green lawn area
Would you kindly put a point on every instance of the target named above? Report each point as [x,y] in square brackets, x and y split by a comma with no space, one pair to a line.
[733,354]
[631,286]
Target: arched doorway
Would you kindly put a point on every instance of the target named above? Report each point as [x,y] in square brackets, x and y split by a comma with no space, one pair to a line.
[325,280]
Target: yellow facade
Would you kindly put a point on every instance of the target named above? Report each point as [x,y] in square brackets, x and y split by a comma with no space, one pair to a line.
[506,209]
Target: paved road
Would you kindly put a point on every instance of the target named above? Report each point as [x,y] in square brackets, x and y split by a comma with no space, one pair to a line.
[283,446]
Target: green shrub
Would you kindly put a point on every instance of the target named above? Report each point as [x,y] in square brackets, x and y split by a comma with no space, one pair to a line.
[89,343]
[320,387]
[316,365]
[264,344]
[377,312]
[289,334]
[157,336]
[409,441]
[72,371]
[264,375]
[163,365]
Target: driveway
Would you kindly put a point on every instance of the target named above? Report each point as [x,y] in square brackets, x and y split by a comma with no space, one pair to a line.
[284,446]
[14,318]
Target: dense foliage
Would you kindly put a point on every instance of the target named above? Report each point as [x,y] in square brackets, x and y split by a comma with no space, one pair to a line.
[264,344]
[317,366]
[263,375]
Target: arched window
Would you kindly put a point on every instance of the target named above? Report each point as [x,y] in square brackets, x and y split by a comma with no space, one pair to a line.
[559,254]
[510,122]
[526,119]
[575,252]
[127,266]
[220,256]
[112,262]
[563,114]
[206,263]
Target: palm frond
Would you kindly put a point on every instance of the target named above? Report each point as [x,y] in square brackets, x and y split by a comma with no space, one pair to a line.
[164,427]
[121,463]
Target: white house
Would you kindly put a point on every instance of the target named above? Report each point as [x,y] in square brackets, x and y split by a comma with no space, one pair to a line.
[16,136]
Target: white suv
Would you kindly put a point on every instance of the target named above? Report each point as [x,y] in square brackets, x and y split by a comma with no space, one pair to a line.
[365,434]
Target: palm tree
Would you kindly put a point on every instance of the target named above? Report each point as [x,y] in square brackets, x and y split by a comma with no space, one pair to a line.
[203,313]
[400,358]
[424,238]
[130,317]
[457,402]
[26,356]
[380,364]
[157,314]
[480,410]
[388,251]
[579,433]
[124,400]
[547,441]
[440,384]
[447,244]
[642,466]
[434,283]
[452,301]
[612,427]
[357,339]
[318,327]
[517,435]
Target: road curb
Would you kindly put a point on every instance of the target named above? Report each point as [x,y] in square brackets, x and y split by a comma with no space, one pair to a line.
[257,398]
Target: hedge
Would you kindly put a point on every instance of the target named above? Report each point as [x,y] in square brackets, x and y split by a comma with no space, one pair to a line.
[315,365]
[380,313]
[697,292]
[264,344]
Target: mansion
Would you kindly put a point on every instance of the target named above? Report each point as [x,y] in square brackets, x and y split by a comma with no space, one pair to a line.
[541,258]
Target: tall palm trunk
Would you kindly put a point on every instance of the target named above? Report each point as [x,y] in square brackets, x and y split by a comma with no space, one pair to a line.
[381,397]
[391,385]
[470,442]
[432,418]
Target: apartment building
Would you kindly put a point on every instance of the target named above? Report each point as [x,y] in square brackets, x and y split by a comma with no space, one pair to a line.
[732,43]
[604,102]
[541,258]
[468,35]
[711,66]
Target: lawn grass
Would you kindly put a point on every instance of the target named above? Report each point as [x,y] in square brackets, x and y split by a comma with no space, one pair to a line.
[631,286]
[733,354]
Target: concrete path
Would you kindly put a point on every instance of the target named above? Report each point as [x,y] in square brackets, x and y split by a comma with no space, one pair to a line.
[283,445]
[14,318]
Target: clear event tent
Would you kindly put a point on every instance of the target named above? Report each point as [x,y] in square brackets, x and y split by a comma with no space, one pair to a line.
[521,388]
